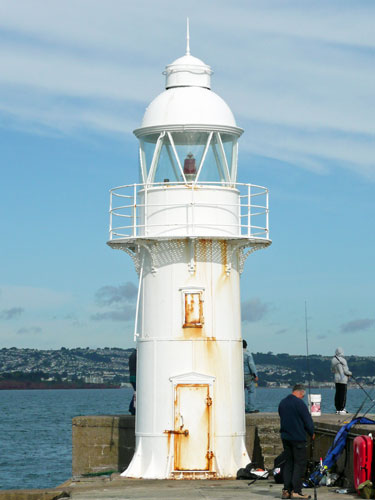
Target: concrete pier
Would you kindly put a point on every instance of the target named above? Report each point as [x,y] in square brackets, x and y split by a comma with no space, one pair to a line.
[123,489]
[105,444]
[118,488]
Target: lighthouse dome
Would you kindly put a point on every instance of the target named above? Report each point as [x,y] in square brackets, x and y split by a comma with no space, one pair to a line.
[188,105]
[188,99]
[187,70]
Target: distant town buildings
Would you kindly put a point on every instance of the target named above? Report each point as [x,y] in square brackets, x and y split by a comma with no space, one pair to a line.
[110,366]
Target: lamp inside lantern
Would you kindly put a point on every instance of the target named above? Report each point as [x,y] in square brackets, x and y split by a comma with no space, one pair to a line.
[190,170]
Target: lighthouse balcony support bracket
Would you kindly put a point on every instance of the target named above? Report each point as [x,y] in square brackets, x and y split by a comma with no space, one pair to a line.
[163,251]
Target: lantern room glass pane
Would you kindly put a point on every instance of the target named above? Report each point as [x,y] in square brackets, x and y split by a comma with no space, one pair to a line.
[148,143]
[228,143]
[213,169]
[190,146]
[167,169]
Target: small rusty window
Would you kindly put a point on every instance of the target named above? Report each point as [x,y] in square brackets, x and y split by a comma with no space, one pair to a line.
[192,308]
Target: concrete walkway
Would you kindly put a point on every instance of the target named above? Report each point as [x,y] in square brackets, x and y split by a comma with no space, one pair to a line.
[122,489]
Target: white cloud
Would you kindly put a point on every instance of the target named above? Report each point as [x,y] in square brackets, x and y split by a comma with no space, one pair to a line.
[298,75]
[254,310]
[13,312]
[119,295]
[32,330]
[357,325]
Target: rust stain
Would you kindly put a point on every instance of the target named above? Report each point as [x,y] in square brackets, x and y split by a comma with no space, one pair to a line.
[193,310]
[194,475]
[168,442]
[203,247]
[185,432]
[195,386]
[211,346]
[177,452]
[177,438]
[204,254]
[223,250]
[184,448]
[190,333]
[206,416]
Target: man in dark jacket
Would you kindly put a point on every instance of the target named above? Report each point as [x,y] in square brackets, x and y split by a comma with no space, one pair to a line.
[295,423]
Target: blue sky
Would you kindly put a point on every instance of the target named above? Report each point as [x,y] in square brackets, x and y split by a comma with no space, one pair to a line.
[75,79]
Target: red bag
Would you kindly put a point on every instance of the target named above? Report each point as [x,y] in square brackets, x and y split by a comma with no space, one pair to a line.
[362,459]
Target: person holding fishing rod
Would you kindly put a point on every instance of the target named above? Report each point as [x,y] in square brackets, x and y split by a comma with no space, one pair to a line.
[341,371]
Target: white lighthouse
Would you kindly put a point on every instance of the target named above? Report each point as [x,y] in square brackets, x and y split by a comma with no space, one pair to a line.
[189,226]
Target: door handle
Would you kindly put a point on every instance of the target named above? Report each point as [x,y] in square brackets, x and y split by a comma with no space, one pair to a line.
[185,432]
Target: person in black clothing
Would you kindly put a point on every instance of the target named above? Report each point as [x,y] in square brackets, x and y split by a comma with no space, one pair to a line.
[295,423]
[133,379]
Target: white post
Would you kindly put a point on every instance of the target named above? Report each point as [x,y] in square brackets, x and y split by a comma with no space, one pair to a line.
[248,210]
[135,210]
[145,210]
[239,212]
[203,156]
[110,215]
[267,215]
[138,299]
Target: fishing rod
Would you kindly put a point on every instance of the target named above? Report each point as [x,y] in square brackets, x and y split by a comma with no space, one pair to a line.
[309,381]
[362,405]
[359,409]
[368,411]
[307,353]
[363,389]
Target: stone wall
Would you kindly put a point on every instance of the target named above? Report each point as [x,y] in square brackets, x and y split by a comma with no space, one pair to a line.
[263,441]
[106,442]
[102,443]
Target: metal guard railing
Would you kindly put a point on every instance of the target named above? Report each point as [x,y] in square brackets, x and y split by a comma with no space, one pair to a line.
[252,210]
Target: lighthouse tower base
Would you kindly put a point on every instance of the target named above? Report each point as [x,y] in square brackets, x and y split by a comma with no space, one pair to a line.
[198,424]
[159,465]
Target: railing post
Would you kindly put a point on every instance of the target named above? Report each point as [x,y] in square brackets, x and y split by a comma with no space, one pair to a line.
[248,210]
[138,299]
[135,211]
[110,215]
[192,211]
[239,211]
[145,230]
[267,215]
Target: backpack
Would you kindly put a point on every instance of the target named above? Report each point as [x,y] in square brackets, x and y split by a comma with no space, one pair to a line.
[250,473]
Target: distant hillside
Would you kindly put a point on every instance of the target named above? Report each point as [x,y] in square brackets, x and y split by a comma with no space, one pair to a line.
[77,366]
[289,369]
[109,366]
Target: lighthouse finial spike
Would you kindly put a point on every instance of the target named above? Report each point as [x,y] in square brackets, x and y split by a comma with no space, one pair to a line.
[187,37]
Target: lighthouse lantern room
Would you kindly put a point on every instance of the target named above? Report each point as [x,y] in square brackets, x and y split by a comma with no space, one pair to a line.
[189,227]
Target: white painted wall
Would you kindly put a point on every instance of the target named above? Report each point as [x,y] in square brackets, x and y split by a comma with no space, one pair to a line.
[211,354]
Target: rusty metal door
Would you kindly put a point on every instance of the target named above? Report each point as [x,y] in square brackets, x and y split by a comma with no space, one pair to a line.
[192,428]
[193,309]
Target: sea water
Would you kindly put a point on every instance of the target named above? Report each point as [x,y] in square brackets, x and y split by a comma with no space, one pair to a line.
[36,427]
